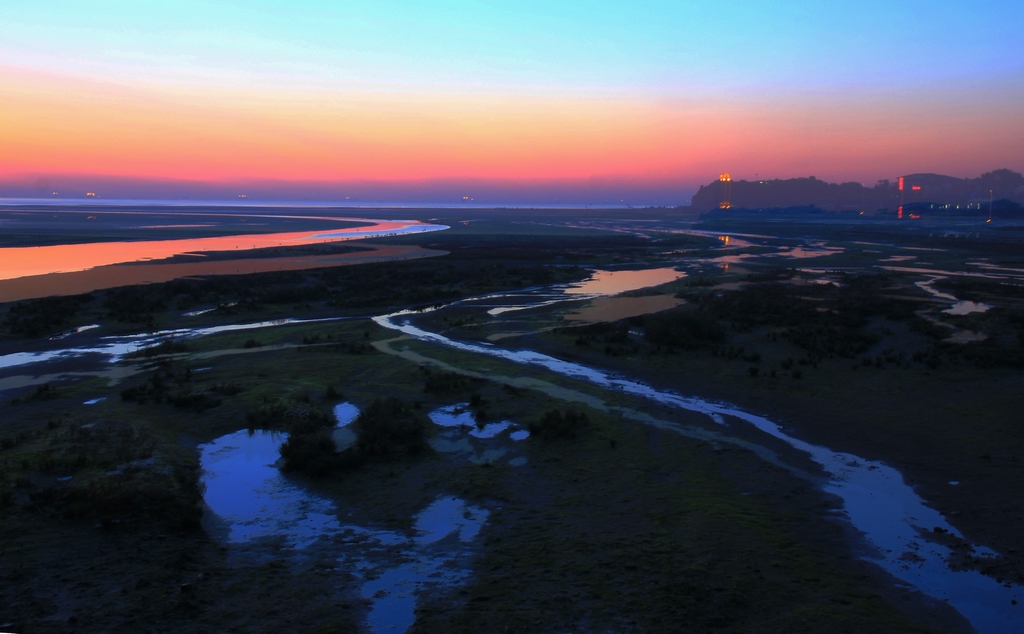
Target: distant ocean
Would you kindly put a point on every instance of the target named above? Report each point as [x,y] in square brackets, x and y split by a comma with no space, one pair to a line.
[339,204]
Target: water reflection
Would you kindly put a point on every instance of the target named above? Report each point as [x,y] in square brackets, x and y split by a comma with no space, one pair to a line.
[601,283]
[24,261]
[927,286]
[443,532]
[959,307]
[245,489]
[966,308]
[458,422]
[615,282]
[343,436]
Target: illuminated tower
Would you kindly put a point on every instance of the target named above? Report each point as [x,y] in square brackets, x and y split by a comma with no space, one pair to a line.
[726,182]
[899,212]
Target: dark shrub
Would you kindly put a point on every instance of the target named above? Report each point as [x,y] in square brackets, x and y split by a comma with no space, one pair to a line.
[391,427]
[38,316]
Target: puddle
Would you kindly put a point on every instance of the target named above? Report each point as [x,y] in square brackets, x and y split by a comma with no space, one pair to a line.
[458,415]
[811,250]
[966,308]
[876,500]
[966,336]
[93,401]
[490,430]
[345,414]
[247,492]
[460,427]
[959,307]
[444,531]
[448,516]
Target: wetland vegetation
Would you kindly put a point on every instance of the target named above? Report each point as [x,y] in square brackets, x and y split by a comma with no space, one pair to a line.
[601,517]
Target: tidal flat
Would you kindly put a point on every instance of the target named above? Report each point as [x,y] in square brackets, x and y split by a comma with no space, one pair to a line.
[603,516]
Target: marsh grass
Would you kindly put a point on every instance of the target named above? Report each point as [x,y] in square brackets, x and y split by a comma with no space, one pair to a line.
[443,382]
[560,425]
[167,346]
[105,471]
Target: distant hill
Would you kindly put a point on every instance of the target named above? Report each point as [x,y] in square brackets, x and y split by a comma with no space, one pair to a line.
[932,190]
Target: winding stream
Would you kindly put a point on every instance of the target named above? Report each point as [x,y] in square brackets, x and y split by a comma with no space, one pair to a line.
[876,500]
[116,347]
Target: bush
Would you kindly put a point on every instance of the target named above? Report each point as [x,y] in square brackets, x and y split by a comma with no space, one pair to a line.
[39,316]
[391,427]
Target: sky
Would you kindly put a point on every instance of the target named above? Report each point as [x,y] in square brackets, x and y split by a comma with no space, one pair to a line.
[531,101]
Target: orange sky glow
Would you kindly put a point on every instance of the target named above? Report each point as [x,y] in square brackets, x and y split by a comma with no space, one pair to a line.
[54,124]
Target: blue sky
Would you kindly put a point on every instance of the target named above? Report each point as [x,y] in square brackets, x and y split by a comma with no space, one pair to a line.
[673,48]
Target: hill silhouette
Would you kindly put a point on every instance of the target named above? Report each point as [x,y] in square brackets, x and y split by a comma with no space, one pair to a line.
[932,190]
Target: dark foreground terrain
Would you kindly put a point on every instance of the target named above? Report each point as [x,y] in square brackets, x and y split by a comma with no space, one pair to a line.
[601,522]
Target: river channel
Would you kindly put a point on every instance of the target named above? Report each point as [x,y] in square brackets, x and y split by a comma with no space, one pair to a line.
[890,515]
[877,501]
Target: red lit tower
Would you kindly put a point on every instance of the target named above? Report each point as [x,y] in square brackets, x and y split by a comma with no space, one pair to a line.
[726,182]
